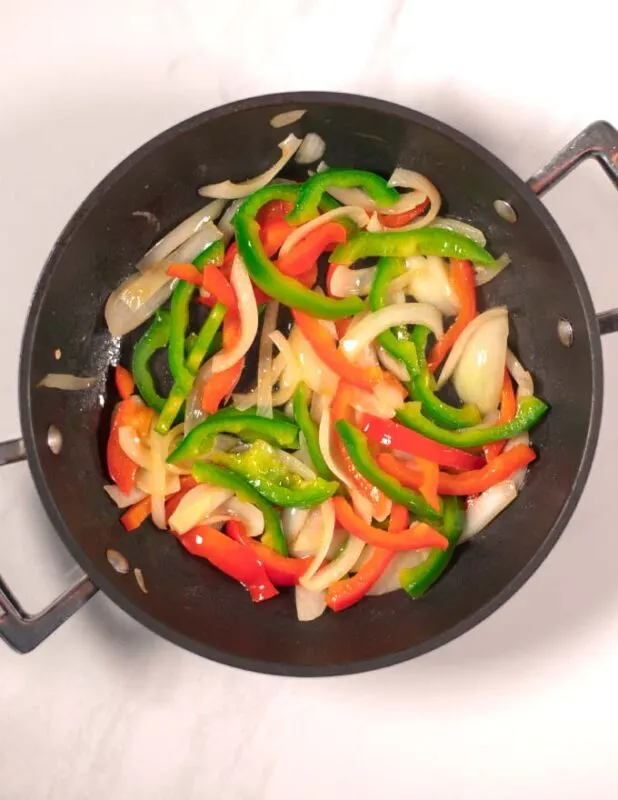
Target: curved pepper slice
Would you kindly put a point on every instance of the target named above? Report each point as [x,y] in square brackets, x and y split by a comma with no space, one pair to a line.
[273,536]
[124,382]
[282,570]
[304,254]
[461,276]
[137,514]
[131,413]
[402,244]
[508,409]
[397,220]
[309,430]
[155,338]
[266,275]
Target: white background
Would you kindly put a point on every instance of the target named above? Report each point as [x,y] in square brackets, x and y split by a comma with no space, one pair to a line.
[524,705]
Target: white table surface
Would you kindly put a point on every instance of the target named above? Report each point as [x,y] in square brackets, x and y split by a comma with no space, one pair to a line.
[522,706]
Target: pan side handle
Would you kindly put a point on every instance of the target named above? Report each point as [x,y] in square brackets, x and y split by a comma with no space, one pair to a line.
[20,630]
[599,141]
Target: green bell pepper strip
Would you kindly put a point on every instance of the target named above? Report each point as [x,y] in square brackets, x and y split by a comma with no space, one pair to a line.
[155,338]
[273,536]
[416,580]
[356,444]
[202,348]
[266,275]
[313,190]
[309,430]
[247,427]
[529,411]
[402,244]
[422,388]
[213,254]
[231,411]
[262,468]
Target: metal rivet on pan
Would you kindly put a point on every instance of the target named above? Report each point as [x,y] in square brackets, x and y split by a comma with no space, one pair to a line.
[54,439]
[57,354]
[505,210]
[118,561]
[565,332]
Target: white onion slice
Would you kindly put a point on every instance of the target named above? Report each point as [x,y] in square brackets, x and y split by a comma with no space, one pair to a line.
[309,605]
[519,477]
[287,118]
[61,380]
[319,402]
[315,373]
[483,275]
[251,517]
[124,500]
[463,339]
[362,334]
[428,282]
[293,520]
[393,365]
[389,580]
[521,376]
[420,186]
[133,447]
[247,307]
[486,507]
[337,568]
[264,393]
[324,434]
[311,149]
[179,235]
[327,511]
[479,373]
[196,505]
[158,454]
[291,374]
[346,282]
[355,213]
[226,222]
[367,403]
[309,540]
[230,191]
[144,482]
[295,465]
[457,226]
[194,413]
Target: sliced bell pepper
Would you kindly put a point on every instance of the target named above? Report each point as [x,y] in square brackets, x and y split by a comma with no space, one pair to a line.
[397,220]
[137,514]
[348,591]
[274,211]
[282,570]
[266,275]
[461,276]
[529,411]
[417,537]
[312,191]
[305,254]
[310,277]
[155,338]
[129,413]
[233,559]
[389,433]
[309,430]
[402,244]
[261,467]
[428,485]
[327,351]
[357,446]
[185,272]
[187,482]
[508,409]
[124,382]
[416,580]
[423,385]
[222,384]
[219,288]
[273,536]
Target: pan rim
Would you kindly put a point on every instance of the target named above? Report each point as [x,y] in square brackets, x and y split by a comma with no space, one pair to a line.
[100,579]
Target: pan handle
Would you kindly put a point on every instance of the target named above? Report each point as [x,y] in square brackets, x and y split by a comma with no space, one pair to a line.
[600,141]
[23,631]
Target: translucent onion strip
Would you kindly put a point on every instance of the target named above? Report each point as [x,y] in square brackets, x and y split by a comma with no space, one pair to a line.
[393,365]
[421,187]
[309,538]
[521,376]
[290,376]
[346,282]
[463,339]
[479,374]
[247,307]
[312,149]
[144,482]
[293,520]
[315,373]
[457,226]
[124,500]
[265,361]
[230,191]
[327,511]
[296,465]
[428,281]
[225,223]
[355,213]
[133,447]
[337,568]
[309,605]
[483,275]
[194,413]
[158,454]
[251,517]
[486,507]
[287,118]
[196,505]
[389,580]
[71,383]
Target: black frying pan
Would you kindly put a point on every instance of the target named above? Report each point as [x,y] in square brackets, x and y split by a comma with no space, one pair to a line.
[192,604]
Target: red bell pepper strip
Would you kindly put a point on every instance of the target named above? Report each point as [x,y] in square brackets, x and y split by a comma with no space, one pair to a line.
[420,535]
[466,483]
[309,278]
[307,251]
[326,349]
[273,211]
[397,220]
[273,235]
[392,434]
[348,591]
[462,279]
[133,413]
[282,570]
[187,482]
[221,384]
[136,514]
[508,409]
[232,558]
[124,382]
[218,287]
[185,272]
[342,326]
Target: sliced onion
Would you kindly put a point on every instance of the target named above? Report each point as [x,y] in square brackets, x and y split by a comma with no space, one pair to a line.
[355,213]
[350,196]
[247,308]
[124,500]
[346,282]
[225,223]
[309,605]
[337,568]
[428,282]
[389,580]
[310,538]
[311,149]
[479,373]
[293,520]
[217,520]
[291,376]
[158,454]
[319,403]
[251,517]
[362,334]
[287,118]
[194,413]
[483,275]
[521,376]
[324,435]
[308,541]
[315,373]
[179,235]
[374,225]
[230,191]
[519,477]
[139,296]
[196,505]
[421,187]
[457,226]
[327,511]
[172,440]
[61,380]
[144,482]
[295,465]
[486,507]
[367,403]
[133,447]
[242,401]
[393,365]
[264,392]
[467,333]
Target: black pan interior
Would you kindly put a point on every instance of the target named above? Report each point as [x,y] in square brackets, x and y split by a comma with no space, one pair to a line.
[191,603]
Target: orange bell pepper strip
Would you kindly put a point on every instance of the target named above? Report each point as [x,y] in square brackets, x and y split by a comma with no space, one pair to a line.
[326,349]
[508,409]
[397,220]
[462,279]
[309,278]
[137,514]
[219,288]
[222,384]
[307,251]
[132,413]
[429,484]
[348,591]
[282,570]
[124,382]
[417,537]
[185,272]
